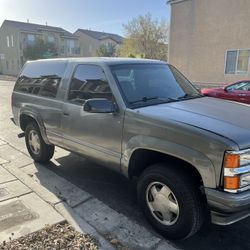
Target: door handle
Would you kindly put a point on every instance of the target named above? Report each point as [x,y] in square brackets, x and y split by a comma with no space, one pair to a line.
[65,114]
[242,94]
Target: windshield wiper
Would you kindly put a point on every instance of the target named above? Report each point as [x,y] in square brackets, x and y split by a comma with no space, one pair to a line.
[146,99]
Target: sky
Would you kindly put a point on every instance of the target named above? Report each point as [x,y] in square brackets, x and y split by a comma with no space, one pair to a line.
[101,15]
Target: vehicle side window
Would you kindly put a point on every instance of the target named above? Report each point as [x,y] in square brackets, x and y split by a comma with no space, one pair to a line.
[240,86]
[245,86]
[41,78]
[89,82]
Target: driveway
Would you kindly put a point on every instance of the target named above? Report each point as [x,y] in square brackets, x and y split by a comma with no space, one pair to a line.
[117,192]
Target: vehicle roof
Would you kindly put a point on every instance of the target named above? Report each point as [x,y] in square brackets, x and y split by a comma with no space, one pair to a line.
[103,60]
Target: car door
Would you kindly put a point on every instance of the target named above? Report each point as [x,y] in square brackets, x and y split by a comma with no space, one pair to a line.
[96,135]
[238,92]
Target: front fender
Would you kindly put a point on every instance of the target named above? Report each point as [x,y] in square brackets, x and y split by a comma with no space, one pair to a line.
[197,159]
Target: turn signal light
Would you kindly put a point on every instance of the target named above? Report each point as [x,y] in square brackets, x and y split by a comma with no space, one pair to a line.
[231,160]
[232,182]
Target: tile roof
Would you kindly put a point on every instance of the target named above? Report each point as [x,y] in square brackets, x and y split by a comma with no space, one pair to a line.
[101,35]
[31,27]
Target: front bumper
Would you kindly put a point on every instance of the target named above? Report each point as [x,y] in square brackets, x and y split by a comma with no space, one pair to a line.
[227,208]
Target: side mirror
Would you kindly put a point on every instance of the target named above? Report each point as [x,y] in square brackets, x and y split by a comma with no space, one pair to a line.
[99,105]
[225,89]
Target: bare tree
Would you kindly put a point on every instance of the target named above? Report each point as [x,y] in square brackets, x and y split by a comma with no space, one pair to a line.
[146,38]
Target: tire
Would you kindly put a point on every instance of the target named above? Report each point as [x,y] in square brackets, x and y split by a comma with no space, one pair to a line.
[38,149]
[185,201]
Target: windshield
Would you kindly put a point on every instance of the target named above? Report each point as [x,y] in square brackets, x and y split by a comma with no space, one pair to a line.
[149,84]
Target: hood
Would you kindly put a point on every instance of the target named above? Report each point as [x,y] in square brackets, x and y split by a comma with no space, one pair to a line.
[225,118]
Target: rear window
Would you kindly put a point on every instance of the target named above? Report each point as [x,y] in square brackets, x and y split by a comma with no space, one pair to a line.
[41,78]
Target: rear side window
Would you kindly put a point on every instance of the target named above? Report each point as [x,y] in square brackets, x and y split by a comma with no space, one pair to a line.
[41,78]
[88,82]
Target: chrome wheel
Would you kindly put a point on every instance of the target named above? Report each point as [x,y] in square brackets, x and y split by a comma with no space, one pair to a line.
[162,203]
[34,142]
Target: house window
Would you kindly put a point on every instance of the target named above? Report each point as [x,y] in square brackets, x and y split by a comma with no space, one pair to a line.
[51,39]
[109,47]
[70,46]
[237,62]
[8,41]
[12,41]
[31,38]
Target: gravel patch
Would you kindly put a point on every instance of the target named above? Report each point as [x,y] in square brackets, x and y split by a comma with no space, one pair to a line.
[60,236]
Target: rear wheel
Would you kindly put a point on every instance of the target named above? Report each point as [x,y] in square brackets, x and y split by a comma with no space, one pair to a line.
[38,149]
[171,201]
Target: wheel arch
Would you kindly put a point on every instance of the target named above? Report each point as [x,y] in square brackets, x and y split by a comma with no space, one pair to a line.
[141,152]
[147,157]
[26,117]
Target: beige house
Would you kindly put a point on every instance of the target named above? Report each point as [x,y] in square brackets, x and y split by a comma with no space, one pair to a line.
[210,39]
[16,36]
[90,41]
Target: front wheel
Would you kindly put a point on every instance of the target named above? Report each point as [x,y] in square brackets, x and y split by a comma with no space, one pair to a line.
[38,149]
[171,201]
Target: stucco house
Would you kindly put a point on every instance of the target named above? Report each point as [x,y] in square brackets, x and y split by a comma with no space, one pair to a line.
[210,39]
[16,36]
[91,40]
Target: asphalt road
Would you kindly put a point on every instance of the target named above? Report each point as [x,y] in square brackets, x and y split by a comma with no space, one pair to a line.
[117,192]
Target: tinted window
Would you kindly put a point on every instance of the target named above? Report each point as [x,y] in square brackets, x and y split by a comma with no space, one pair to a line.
[240,86]
[89,82]
[152,83]
[41,78]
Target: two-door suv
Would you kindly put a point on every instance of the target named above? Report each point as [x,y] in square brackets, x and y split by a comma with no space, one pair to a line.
[144,119]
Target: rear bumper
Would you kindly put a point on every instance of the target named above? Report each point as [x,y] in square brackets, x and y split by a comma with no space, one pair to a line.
[227,208]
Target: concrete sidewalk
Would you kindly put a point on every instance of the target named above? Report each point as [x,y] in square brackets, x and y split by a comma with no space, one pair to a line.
[32,196]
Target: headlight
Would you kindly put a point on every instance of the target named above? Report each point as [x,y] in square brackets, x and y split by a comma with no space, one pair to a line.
[236,171]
